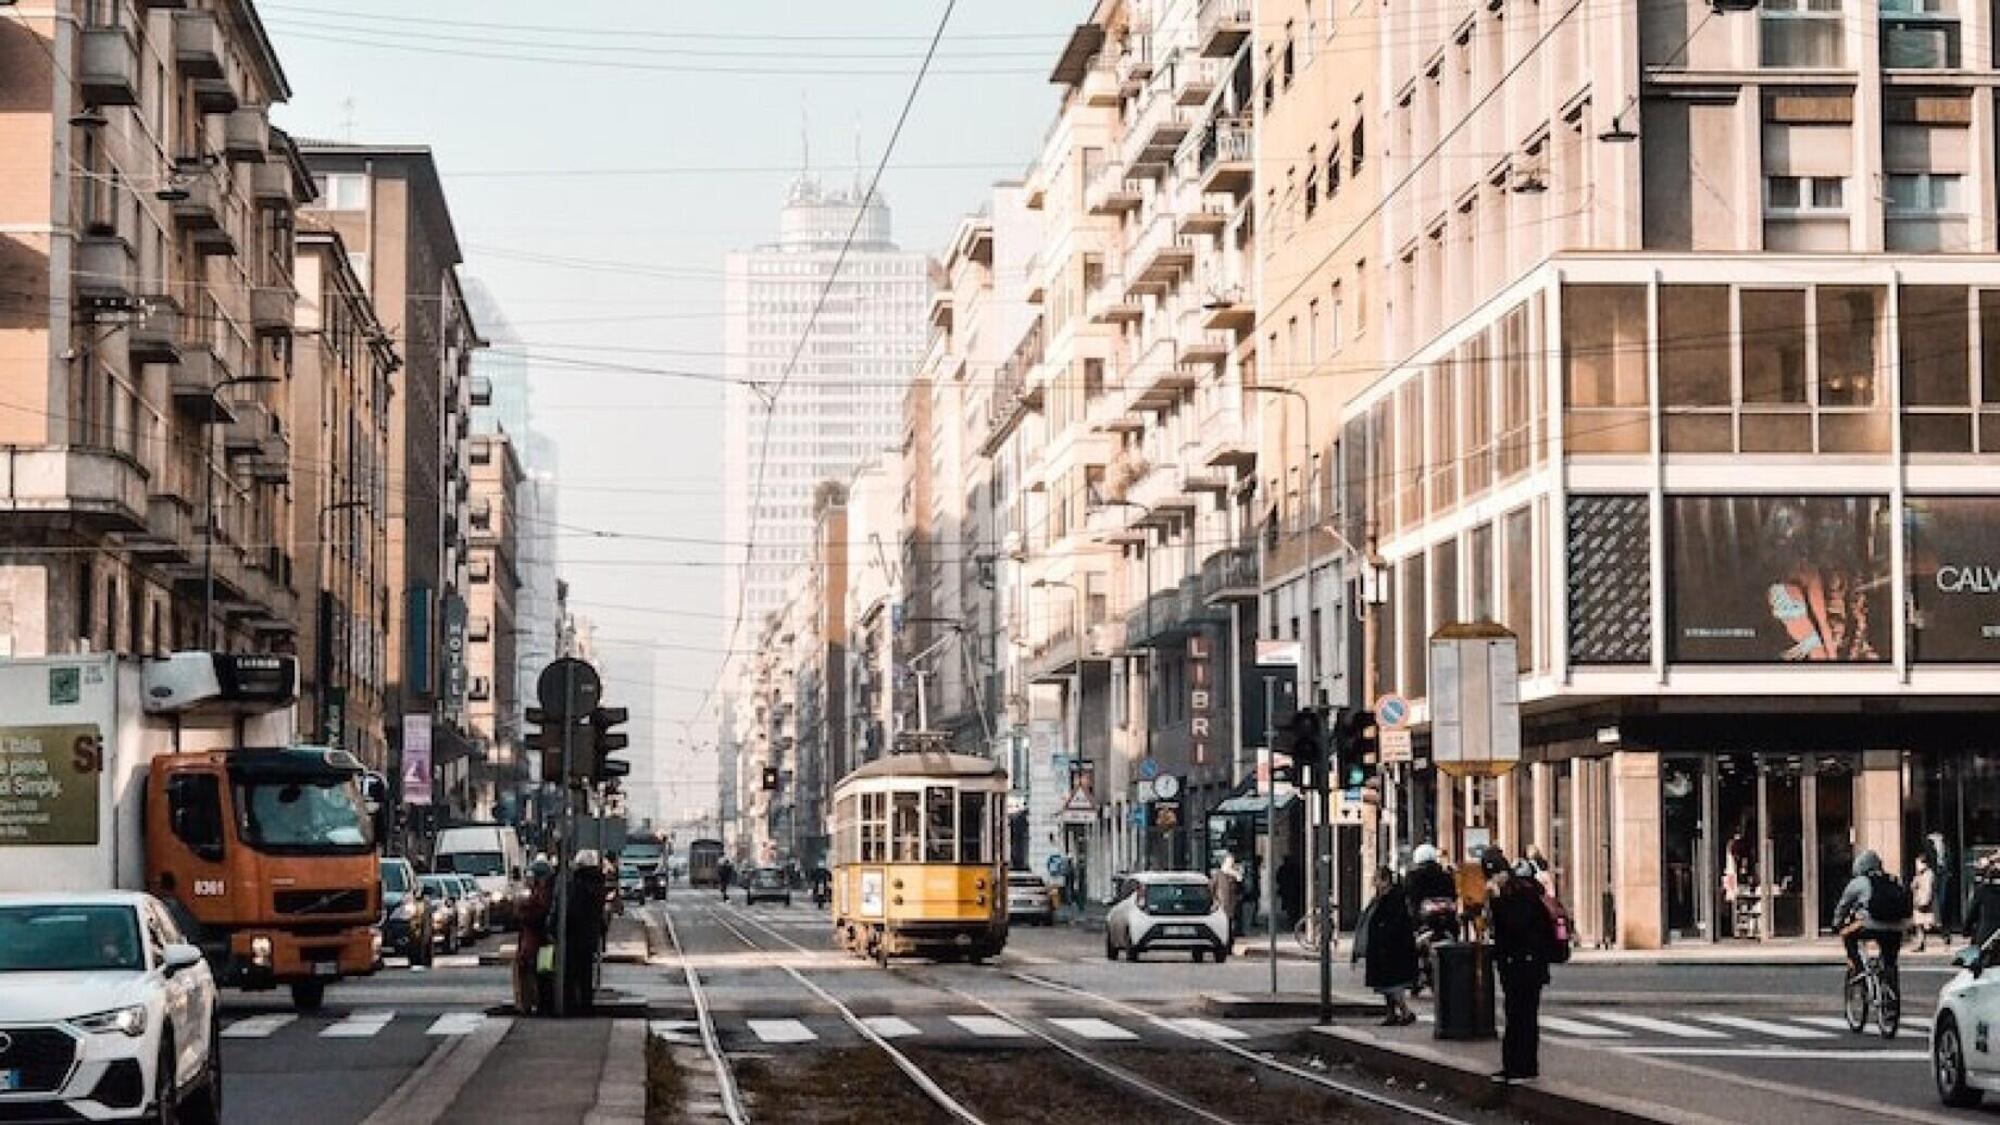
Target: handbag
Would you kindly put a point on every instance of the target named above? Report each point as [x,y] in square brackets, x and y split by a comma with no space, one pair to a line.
[545,959]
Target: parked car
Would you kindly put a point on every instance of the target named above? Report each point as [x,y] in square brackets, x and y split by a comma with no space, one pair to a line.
[107,1012]
[1967,1007]
[481,908]
[1165,910]
[766,884]
[1028,899]
[450,914]
[406,913]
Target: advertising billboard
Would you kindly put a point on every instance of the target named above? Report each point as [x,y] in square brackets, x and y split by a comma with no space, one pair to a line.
[1954,576]
[1610,580]
[1779,579]
[416,759]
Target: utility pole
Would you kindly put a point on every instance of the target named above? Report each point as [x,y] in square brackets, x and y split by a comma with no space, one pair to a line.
[1271,823]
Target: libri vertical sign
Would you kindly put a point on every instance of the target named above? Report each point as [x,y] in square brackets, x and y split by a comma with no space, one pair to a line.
[1201,696]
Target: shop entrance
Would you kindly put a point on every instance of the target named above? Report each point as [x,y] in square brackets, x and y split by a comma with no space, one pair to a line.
[1755,846]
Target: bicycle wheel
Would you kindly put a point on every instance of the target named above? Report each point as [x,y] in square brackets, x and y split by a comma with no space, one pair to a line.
[1302,933]
[1854,1003]
[1888,1011]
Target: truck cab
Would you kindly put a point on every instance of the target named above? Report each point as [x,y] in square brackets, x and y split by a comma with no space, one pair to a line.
[269,856]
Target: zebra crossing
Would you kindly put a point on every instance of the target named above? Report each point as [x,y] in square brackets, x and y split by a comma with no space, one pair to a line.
[359,1024]
[1727,1032]
[974,1027]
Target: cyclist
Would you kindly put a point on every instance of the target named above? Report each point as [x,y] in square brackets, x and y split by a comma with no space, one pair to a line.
[1873,906]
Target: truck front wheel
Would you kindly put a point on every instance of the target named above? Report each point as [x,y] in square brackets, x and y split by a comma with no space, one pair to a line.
[308,996]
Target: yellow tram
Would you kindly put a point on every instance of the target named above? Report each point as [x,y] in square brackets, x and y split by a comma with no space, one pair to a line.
[919,863]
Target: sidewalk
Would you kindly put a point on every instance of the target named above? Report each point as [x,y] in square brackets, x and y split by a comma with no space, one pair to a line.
[1578,1088]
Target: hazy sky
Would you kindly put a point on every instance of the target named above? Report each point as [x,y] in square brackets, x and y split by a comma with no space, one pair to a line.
[601,157]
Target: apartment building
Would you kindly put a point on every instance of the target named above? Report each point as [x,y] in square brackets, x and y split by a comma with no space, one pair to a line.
[338,404]
[389,208]
[145,330]
[497,775]
[1688,382]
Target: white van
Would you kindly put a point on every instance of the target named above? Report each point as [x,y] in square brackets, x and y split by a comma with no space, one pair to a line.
[492,855]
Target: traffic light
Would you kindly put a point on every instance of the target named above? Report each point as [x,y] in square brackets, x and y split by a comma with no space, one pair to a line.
[1308,743]
[604,741]
[1354,749]
[548,740]
[770,779]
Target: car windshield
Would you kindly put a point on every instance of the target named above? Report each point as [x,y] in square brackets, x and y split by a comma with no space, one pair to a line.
[305,816]
[466,884]
[473,863]
[1024,880]
[439,885]
[642,854]
[767,877]
[69,939]
[1176,898]
[395,878]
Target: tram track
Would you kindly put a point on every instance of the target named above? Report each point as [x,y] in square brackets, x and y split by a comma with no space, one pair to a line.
[725,1076]
[1096,1059]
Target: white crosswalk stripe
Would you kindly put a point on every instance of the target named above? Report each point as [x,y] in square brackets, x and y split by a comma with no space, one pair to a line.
[1765,1027]
[1206,1029]
[990,1027]
[782,1031]
[1581,1030]
[457,1023]
[1911,1029]
[1091,1027]
[1657,1026]
[891,1027]
[359,1025]
[258,1027]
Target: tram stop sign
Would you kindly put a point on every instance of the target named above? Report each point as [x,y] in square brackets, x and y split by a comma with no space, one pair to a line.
[568,689]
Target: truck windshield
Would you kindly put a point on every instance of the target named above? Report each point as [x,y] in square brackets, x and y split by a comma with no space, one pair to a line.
[69,939]
[304,815]
[472,863]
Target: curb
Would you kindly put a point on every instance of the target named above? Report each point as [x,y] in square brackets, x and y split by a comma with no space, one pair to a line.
[1557,1103]
[1285,1005]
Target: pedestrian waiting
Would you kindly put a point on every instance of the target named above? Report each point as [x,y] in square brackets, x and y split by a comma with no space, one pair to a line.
[1525,937]
[1385,940]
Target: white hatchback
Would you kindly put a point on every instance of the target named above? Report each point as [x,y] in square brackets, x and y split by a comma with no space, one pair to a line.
[1166,910]
[1965,1054]
[106,1012]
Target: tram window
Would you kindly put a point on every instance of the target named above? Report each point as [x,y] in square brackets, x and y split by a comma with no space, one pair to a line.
[971,828]
[906,826]
[874,828]
[938,827]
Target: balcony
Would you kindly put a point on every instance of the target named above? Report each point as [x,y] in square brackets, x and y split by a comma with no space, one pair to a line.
[1159,257]
[1222,26]
[196,378]
[1226,158]
[1225,444]
[1101,85]
[482,391]
[216,95]
[1203,217]
[1228,310]
[1158,379]
[202,209]
[1158,129]
[1134,64]
[1230,574]
[1055,655]
[246,432]
[154,333]
[271,185]
[246,135]
[1110,192]
[1113,523]
[198,45]
[272,310]
[1014,391]
[170,535]
[1202,348]
[273,464]
[109,69]
[1193,79]
[1109,303]
[105,269]
[102,488]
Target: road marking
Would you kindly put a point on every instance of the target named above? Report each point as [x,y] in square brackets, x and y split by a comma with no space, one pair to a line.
[992,1027]
[1580,1029]
[428,1092]
[1658,1026]
[1821,1054]
[782,1031]
[1911,1029]
[1209,1029]
[1090,1027]
[891,1027]
[681,1033]
[456,961]
[457,1023]
[360,1025]
[258,1027]
[395,962]
[1765,1027]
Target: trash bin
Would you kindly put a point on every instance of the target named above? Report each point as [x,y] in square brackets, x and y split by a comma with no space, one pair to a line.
[1463,972]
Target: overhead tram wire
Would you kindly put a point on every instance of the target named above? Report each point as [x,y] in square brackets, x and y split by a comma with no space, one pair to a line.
[819,305]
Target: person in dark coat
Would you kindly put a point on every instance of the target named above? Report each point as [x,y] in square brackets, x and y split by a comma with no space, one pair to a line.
[583,934]
[725,874]
[1523,935]
[532,994]
[1291,888]
[1389,946]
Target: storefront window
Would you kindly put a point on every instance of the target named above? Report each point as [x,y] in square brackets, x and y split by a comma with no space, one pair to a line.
[1694,368]
[1934,332]
[1853,417]
[1604,368]
[1774,372]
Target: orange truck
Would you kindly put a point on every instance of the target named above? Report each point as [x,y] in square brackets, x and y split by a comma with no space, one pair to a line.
[180,776]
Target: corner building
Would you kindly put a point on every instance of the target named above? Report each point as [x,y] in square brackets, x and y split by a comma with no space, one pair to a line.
[1694,384]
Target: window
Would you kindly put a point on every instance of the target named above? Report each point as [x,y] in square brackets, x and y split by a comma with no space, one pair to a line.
[1919,34]
[1416,635]
[940,827]
[874,827]
[906,828]
[1805,194]
[194,813]
[1517,532]
[1604,345]
[1926,193]
[1800,33]
[343,191]
[972,837]
[1774,346]
[1935,335]
[1443,456]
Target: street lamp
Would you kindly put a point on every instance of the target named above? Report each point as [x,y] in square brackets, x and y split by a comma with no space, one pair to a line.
[208,500]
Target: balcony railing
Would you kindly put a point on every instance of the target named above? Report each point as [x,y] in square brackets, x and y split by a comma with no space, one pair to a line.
[1225,157]
[1230,573]
[1160,126]
[1014,390]
[1109,192]
[1222,26]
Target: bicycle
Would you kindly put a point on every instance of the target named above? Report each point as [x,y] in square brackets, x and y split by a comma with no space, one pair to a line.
[1306,931]
[1870,990]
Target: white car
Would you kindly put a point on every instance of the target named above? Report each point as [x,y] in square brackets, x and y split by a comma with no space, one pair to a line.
[1965,1054]
[1028,899]
[1166,910]
[107,1013]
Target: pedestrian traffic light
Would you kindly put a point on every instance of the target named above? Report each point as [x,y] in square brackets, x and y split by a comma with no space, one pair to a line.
[604,741]
[1354,749]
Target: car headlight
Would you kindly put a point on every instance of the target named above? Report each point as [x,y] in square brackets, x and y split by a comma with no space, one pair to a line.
[406,910]
[260,950]
[130,1021]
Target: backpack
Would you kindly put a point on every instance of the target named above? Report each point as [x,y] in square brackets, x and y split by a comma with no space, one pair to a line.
[1888,900]
[1561,932]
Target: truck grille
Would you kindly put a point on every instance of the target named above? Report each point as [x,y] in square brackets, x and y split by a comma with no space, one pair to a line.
[353,901]
[43,1055]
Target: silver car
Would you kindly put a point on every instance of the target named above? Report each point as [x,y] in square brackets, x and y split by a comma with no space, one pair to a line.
[481,907]
[1029,900]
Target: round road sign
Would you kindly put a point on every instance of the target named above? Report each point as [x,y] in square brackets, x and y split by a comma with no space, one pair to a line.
[1392,711]
[1148,769]
[568,689]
